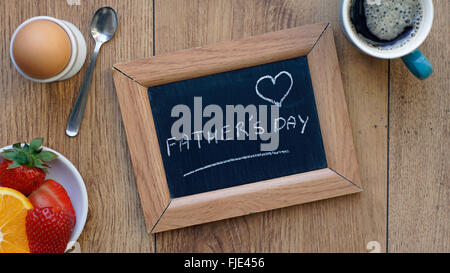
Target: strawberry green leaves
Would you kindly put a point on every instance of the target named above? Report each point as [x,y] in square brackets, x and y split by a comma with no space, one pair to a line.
[29,155]
[35,144]
[46,156]
[10,155]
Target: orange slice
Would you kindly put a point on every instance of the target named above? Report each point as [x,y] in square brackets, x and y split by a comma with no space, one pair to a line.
[13,211]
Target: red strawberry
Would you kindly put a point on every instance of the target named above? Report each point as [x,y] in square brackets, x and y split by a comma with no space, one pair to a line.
[48,230]
[20,178]
[51,194]
[23,167]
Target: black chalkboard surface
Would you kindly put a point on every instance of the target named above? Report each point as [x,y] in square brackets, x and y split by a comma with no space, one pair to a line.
[193,165]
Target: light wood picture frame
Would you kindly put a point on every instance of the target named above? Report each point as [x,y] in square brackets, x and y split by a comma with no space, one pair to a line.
[161,212]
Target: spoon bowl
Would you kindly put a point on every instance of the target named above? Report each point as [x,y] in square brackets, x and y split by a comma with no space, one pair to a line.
[104,24]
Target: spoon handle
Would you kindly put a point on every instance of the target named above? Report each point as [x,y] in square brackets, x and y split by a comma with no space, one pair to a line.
[78,109]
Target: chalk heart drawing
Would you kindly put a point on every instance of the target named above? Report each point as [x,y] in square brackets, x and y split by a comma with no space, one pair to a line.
[274,82]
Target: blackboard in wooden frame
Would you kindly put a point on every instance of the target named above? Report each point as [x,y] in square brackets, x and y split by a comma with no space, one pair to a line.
[165,207]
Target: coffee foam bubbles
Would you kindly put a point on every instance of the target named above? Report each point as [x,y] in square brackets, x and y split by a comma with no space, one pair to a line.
[388,19]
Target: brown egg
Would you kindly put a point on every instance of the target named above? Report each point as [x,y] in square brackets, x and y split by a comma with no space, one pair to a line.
[42,49]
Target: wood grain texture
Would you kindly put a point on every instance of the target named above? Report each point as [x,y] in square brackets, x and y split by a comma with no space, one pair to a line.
[147,162]
[222,57]
[332,108]
[419,171]
[27,110]
[340,224]
[252,198]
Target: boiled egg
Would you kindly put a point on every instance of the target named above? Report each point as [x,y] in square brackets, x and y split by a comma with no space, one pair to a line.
[42,49]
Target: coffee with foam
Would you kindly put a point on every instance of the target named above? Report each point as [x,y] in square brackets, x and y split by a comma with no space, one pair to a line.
[387,23]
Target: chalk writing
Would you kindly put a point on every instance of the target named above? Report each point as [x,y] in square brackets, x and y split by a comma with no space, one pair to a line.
[236,159]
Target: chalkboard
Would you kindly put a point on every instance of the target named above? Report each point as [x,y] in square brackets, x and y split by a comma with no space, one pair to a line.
[286,82]
[207,157]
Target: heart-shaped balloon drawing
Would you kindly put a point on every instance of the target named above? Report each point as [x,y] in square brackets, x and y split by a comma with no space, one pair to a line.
[274,81]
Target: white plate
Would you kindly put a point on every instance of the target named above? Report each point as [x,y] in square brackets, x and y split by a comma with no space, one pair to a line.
[65,173]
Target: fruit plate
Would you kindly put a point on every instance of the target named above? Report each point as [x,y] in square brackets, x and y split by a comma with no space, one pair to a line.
[63,171]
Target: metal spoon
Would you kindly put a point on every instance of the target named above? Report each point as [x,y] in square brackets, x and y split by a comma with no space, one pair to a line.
[103,26]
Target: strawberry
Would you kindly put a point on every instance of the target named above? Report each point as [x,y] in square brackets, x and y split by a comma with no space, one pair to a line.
[51,194]
[21,178]
[24,167]
[48,230]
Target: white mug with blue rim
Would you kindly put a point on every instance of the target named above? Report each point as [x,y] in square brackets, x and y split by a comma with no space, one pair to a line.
[359,18]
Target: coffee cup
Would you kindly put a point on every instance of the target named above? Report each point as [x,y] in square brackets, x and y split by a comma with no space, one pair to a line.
[45,49]
[390,29]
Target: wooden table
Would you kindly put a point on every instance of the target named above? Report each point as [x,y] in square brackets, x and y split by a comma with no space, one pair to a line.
[400,126]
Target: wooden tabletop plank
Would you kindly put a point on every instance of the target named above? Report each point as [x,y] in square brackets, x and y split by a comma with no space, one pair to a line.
[419,172]
[341,224]
[27,110]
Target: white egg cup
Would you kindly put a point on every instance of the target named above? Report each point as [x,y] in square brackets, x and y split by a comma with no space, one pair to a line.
[78,45]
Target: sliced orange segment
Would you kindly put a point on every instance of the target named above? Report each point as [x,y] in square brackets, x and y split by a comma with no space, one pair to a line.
[13,211]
